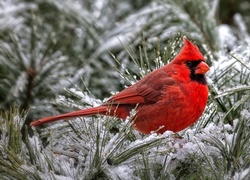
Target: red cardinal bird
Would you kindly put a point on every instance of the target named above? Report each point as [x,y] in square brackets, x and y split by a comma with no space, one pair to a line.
[172,97]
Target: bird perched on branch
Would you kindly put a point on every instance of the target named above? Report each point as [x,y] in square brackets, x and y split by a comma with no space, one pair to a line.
[172,97]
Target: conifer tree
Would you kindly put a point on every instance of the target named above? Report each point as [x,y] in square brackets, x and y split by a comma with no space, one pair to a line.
[58,56]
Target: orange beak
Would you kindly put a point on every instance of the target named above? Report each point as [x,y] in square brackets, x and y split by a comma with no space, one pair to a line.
[202,68]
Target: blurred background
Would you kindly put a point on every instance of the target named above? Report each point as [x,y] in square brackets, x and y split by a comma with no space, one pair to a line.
[57,56]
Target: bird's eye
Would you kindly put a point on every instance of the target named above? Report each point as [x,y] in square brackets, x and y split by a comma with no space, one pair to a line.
[188,63]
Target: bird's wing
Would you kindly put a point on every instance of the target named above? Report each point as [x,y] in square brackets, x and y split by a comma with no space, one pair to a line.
[128,96]
[147,90]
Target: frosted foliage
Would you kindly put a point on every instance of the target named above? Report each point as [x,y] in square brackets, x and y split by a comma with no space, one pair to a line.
[20,84]
[231,63]
[127,31]
[169,149]
[122,172]
[226,36]
[102,147]
[83,97]
[9,10]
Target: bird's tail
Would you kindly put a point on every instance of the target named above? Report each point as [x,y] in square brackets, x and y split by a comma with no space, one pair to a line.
[84,112]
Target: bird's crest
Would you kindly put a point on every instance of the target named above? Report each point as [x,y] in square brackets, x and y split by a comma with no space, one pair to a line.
[189,52]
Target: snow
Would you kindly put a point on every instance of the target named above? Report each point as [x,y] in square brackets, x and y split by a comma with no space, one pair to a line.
[226,36]
[58,177]
[9,11]
[243,174]
[20,84]
[245,113]
[242,26]
[83,146]
[123,172]
[229,91]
